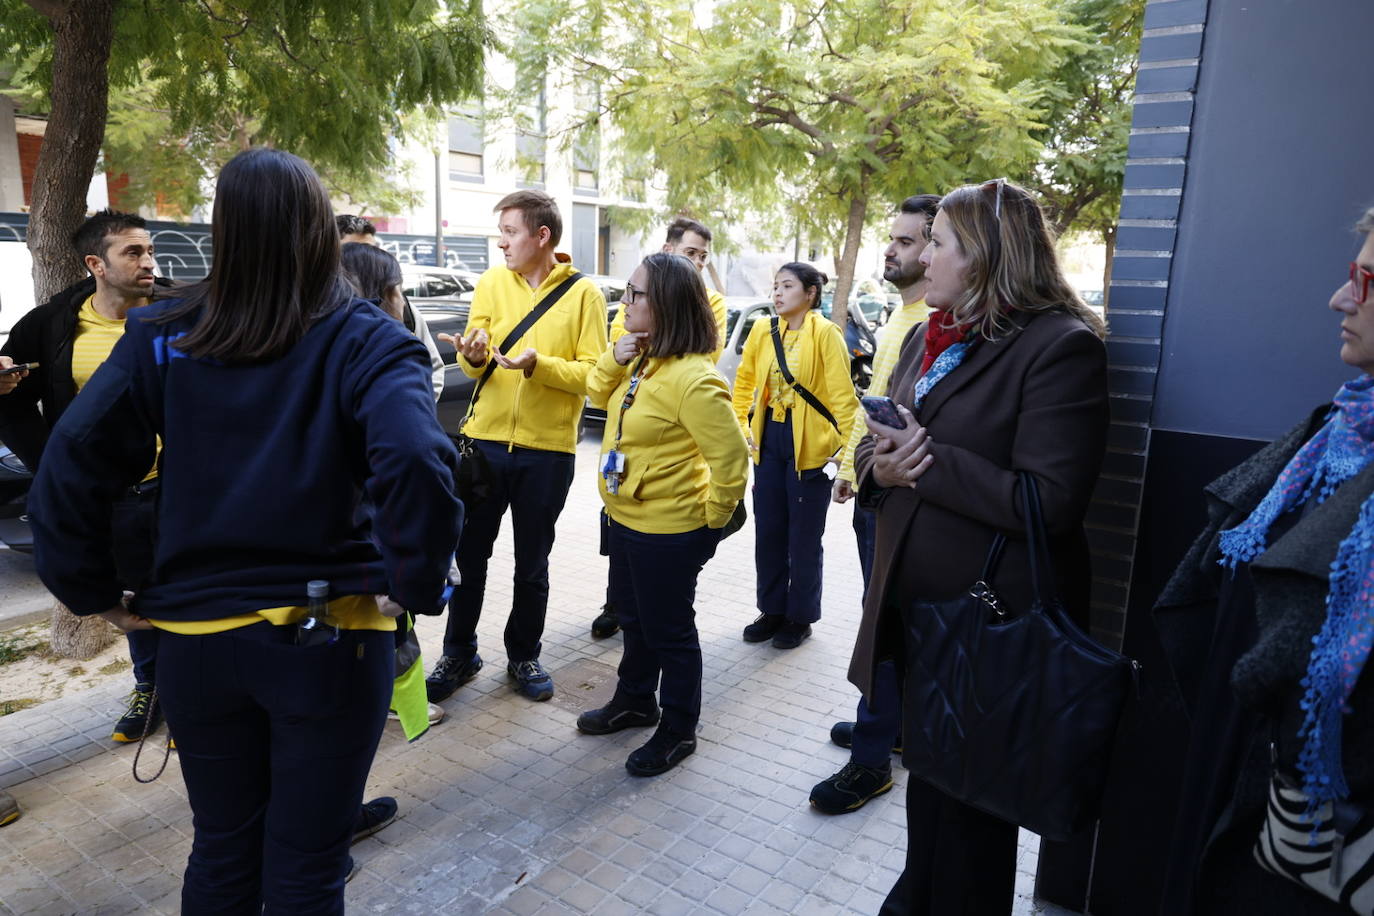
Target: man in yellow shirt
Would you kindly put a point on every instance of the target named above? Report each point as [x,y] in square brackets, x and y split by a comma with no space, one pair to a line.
[69,337]
[691,240]
[877,731]
[524,421]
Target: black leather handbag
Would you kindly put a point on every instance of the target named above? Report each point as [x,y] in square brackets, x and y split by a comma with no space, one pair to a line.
[1013,711]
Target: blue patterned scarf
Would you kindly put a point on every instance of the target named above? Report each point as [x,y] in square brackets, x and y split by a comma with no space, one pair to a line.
[1342,448]
[944,364]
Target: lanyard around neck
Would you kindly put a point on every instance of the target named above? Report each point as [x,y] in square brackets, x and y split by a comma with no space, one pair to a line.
[636,376]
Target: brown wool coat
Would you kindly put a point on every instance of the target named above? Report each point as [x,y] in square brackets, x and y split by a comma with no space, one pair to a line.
[1035,400]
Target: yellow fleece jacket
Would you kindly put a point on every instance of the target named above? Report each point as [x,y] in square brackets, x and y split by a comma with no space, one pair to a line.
[717,308]
[822,367]
[543,410]
[686,462]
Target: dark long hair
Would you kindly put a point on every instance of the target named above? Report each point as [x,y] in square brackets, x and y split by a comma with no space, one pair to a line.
[372,270]
[683,322]
[810,279]
[276,261]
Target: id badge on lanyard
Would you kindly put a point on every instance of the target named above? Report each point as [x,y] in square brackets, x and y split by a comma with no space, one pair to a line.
[613,470]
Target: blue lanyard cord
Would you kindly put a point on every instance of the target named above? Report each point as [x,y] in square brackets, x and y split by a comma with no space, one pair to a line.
[628,401]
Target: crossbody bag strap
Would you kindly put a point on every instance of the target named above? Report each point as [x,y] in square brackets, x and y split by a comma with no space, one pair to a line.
[516,333]
[797,386]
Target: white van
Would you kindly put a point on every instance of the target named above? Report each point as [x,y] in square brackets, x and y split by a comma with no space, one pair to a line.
[16,284]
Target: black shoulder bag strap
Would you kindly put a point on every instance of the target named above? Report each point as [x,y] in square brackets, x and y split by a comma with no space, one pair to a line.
[797,386]
[519,331]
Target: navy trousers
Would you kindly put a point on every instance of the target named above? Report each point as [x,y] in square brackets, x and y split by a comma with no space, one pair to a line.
[654,587]
[133,524]
[533,484]
[789,519]
[275,741]
[875,730]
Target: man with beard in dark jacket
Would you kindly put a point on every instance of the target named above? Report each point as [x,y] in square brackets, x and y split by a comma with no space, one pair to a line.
[68,337]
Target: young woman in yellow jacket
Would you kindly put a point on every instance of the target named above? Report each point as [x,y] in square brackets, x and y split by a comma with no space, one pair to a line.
[673,468]
[792,438]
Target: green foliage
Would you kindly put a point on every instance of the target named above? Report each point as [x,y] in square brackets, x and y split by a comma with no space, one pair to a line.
[335,81]
[1089,118]
[800,108]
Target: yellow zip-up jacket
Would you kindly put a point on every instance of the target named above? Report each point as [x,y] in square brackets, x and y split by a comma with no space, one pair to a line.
[686,462]
[541,411]
[717,308]
[822,367]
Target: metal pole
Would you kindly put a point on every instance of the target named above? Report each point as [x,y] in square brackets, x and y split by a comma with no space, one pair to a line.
[438,207]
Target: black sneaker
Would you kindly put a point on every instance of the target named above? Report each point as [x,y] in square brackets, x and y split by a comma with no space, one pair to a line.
[613,718]
[605,623]
[850,788]
[449,674]
[142,717]
[842,733]
[531,679]
[790,635]
[373,816]
[665,750]
[763,627]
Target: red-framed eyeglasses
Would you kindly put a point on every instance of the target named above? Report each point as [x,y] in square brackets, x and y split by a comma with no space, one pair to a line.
[1359,282]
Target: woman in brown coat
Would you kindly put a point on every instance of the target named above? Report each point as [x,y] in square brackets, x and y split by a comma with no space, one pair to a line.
[1008,374]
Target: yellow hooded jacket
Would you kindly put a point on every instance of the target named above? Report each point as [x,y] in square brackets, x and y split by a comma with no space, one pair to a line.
[686,462]
[543,410]
[822,368]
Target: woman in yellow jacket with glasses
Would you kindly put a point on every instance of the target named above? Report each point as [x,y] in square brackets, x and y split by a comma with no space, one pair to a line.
[673,468]
[800,403]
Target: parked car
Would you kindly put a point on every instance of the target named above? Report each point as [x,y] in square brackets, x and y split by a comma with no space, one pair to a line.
[15,479]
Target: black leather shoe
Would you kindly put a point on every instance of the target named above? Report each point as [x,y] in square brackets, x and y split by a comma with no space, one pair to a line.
[665,750]
[605,623]
[842,733]
[449,674]
[764,627]
[613,718]
[790,635]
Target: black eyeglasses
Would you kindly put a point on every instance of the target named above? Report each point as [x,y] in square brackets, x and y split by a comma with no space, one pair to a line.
[631,294]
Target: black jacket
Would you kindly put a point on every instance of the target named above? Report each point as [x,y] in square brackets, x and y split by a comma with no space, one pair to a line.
[44,336]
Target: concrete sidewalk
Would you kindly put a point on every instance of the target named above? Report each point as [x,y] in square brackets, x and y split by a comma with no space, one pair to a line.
[505,808]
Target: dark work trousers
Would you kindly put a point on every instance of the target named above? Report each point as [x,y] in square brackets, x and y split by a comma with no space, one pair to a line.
[875,732]
[133,525]
[865,530]
[789,519]
[653,587]
[534,484]
[275,741]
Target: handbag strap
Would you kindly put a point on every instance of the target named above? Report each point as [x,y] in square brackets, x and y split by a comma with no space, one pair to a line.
[1037,541]
[797,386]
[516,333]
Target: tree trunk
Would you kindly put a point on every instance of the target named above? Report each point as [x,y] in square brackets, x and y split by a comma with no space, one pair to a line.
[83,32]
[78,637]
[853,237]
[1108,236]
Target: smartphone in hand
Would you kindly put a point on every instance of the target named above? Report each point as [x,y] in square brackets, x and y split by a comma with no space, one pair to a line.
[883,410]
[18,367]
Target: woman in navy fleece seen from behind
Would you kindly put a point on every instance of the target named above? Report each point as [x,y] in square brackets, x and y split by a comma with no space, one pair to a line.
[280,400]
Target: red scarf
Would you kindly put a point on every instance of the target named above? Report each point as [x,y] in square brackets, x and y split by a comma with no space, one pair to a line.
[940,337]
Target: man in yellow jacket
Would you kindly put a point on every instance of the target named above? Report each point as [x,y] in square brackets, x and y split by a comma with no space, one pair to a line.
[692,240]
[524,421]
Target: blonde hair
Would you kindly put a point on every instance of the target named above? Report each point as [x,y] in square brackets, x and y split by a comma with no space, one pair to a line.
[1012,262]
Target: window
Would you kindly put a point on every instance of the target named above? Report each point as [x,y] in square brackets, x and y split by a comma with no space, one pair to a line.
[530,142]
[465,145]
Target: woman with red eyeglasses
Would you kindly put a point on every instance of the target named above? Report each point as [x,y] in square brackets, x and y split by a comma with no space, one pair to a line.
[1282,581]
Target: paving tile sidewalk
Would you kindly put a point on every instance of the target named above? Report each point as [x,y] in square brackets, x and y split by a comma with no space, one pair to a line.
[505,808]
